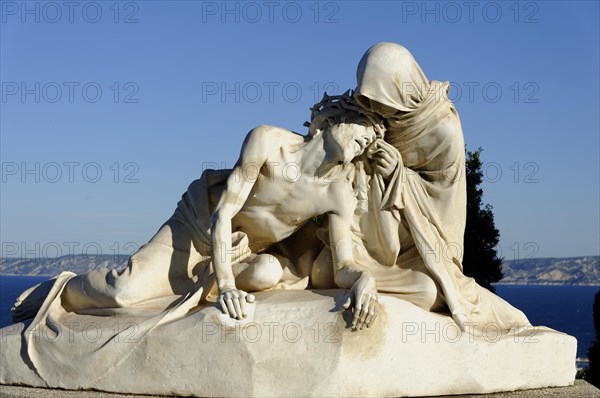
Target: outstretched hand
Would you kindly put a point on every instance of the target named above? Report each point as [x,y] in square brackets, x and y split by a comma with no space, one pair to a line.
[364,299]
[233,303]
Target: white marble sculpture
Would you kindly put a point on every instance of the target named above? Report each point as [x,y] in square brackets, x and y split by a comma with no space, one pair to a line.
[371,201]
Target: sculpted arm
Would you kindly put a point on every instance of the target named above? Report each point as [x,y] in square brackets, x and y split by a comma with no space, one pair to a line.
[237,189]
[347,275]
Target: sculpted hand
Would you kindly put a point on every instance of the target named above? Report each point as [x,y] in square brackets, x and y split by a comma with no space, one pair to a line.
[366,301]
[385,156]
[233,302]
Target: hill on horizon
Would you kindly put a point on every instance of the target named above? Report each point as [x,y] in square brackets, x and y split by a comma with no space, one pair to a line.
[552,271]
[50,267]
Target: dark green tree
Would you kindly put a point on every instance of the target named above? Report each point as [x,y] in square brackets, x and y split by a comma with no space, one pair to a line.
[480,258]
[593,372]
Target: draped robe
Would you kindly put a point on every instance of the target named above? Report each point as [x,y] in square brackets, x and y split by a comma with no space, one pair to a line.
[410,234]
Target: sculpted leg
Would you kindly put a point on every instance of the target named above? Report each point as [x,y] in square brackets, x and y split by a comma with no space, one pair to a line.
[160,268]
[259,273]
[410,280]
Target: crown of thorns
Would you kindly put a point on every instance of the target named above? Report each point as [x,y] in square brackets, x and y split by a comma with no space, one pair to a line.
[334,109]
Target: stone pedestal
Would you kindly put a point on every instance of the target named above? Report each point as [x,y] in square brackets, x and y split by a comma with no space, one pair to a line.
[297,343]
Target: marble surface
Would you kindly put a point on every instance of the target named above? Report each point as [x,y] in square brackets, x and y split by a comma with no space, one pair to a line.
[298,343]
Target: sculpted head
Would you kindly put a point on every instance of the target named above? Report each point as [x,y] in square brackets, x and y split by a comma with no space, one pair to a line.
[389,80]
[350,136]
[346,127]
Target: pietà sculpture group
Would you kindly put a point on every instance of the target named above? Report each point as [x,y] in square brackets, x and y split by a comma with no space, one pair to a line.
[325,264]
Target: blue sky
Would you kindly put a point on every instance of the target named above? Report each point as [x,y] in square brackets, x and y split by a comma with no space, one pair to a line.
[109,110]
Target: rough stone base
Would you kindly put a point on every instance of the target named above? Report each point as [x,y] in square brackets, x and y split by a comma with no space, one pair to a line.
[581,389]
[298,344]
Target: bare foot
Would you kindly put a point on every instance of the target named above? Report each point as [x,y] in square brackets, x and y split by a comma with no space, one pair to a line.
[30,301]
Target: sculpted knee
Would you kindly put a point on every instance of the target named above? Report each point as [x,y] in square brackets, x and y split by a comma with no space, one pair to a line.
[431,298]
[267,272]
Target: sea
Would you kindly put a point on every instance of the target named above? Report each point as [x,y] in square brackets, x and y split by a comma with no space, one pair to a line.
[568,309]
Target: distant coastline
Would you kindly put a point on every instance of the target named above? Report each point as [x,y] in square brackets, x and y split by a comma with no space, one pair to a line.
[577,271]
[544,284]
[551,271]
[49,267]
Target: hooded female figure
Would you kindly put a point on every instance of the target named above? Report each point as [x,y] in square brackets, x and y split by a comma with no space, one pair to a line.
[419,193]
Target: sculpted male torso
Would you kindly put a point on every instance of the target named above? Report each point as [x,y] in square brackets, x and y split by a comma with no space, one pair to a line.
[288,188]
[280,181]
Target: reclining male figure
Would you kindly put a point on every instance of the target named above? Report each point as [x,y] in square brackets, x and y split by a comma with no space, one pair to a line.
[280,182]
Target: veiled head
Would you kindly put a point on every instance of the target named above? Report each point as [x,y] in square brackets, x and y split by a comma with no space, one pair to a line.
[390,80]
